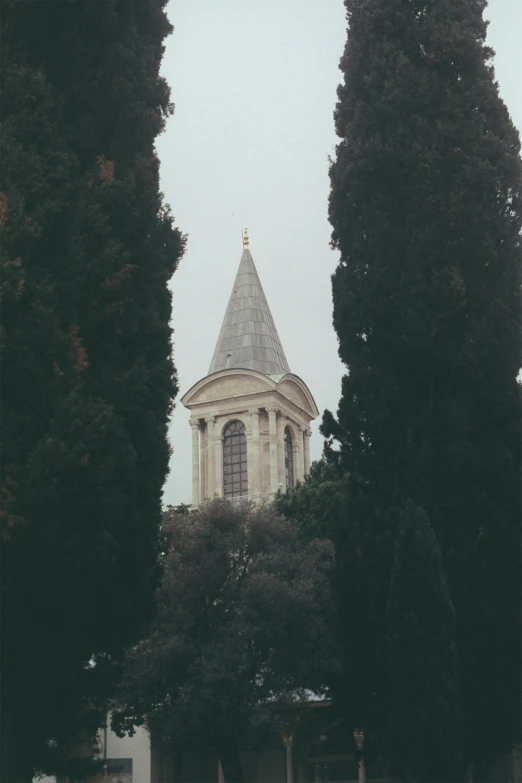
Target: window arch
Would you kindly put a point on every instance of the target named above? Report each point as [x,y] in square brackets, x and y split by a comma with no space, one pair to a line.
[289,459]
[235,476]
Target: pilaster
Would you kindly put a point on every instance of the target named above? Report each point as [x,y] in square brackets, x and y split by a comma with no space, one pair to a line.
[300,452]
[194,424]
[211,481]
[203,472]
[281,424]
[218,464]
[256,452]
[272,430]
[307,434]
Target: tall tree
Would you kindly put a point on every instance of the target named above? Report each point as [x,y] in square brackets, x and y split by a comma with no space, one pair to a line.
[241,630]
[88,248]
[423,732]
[426,213]
[323,506]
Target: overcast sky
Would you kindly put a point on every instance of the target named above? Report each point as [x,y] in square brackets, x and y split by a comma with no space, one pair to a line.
[254,85]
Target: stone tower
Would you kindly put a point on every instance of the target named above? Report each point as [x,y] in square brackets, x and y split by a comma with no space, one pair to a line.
[250,416]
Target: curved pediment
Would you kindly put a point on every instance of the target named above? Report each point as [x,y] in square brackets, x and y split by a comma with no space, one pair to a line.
[225,384]
[296,390]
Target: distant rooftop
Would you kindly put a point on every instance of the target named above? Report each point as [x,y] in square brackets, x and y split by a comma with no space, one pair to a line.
[248,336]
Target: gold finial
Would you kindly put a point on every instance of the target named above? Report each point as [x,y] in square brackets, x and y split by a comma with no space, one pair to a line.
[245,238]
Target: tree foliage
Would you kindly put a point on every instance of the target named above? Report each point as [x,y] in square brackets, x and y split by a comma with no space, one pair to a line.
[241,630]
[88,247]
[423,728]
[326,504]
[426,213]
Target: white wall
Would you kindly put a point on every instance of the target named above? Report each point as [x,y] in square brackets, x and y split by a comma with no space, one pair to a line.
[137,748]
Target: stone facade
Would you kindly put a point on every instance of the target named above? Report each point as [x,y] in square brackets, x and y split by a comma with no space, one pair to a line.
[249,382]
[271,409]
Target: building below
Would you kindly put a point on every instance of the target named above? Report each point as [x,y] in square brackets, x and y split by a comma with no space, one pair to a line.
[128,759]
[313,746]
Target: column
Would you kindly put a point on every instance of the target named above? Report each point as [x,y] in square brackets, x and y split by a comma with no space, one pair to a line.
[203,472]
[296,458]
[281,424]
[218,463]
[517,761]
[194,423]
[358,735]
[289,759]
[299,462]
[211,481]
[307,435]
[256,452]
[221,775]
[272,430]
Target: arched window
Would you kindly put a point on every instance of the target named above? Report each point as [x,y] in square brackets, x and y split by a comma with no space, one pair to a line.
[235,478]
[289,459]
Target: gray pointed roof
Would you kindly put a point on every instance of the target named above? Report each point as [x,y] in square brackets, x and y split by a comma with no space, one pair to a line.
[248,337]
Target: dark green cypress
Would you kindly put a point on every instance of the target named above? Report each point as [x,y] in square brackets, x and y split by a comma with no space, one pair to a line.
[326,506]
[423,732]
[426,213]
[88,248]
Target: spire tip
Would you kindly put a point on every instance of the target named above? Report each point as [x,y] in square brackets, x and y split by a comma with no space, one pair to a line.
[245,239]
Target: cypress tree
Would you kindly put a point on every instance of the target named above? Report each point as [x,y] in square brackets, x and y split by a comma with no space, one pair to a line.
[423,732]
[426,213]
[88,248]
[325,507]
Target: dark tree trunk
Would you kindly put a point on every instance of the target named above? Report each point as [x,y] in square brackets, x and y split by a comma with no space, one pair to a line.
[230,758]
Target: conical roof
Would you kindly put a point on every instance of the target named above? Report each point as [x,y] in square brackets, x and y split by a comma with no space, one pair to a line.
[248,337]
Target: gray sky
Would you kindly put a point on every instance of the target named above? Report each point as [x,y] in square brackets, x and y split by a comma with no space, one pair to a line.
[254,85]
